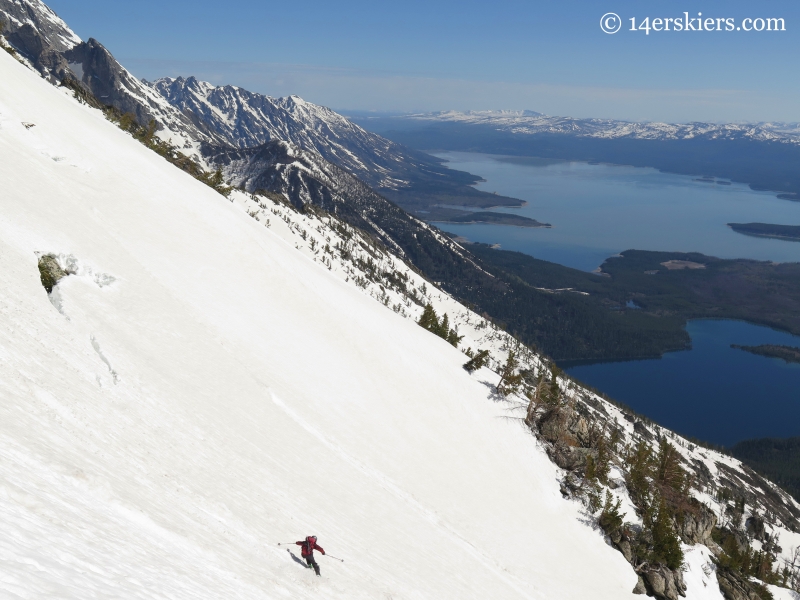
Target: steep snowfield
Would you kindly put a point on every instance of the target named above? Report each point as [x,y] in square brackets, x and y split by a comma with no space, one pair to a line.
[161,432]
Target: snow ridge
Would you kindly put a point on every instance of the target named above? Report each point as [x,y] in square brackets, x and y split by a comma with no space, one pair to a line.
[530,123]
[41,18]
[244,119]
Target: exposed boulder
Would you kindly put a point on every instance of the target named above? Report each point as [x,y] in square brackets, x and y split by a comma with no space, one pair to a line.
[640,587]
[50,271]
[664,583]
[570,486]
[625,547]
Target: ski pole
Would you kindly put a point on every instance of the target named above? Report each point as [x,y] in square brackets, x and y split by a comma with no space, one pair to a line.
[333,557]
[285,543]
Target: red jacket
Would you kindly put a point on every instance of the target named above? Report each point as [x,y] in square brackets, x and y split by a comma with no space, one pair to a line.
[309,545]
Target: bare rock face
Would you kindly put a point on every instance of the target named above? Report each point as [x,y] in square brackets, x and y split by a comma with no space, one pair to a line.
[696,526]
[566,426]
[569,457]
[736,587]
[36,15]
[642,430]
[664,583]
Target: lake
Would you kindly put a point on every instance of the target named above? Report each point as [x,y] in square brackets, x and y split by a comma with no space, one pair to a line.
[712,392]
[598,210]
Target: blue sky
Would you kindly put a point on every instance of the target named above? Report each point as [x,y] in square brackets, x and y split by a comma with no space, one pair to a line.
[549,56]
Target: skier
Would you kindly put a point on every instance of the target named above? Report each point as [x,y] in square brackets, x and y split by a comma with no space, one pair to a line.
[307,550]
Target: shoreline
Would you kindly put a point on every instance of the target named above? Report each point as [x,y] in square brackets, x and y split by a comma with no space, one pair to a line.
[481,222]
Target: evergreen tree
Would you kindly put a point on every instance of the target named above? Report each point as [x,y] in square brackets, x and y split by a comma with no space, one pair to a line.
[610,519]
[666,544]
[127,121]
[603,463]
[669,471]
[640,465]
[553,394]
[509,381]
[444,327]
[477,361]
[429,320]
[453,338]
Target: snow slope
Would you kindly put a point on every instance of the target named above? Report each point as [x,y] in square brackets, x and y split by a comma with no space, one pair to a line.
[200,391]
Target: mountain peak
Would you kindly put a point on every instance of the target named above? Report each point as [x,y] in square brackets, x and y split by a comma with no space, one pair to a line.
[47,24]
[246,120]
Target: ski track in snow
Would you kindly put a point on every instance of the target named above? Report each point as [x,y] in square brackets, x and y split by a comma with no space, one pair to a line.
[106,499]
[178,481]
[395,489]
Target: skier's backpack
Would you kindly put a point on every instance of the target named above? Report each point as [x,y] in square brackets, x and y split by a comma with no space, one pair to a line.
[308,546]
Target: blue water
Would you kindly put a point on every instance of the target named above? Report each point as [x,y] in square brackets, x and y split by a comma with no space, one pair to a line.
[712,392]
[600,210]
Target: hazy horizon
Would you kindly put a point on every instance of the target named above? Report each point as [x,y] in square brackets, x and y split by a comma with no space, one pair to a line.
[552,58]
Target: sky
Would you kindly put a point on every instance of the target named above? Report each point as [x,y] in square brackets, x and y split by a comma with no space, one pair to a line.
[548,56]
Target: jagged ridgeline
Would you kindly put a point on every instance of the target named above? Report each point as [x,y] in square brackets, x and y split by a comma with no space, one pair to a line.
[665,504]
[293,139]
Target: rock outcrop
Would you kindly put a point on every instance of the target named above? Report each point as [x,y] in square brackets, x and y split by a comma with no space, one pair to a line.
[697,524]
[50,271]
[663,583]
[734,586]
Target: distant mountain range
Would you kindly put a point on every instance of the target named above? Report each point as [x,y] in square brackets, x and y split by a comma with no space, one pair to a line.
[243,119]
[763,155]
[532,123]
[314,157]
[190,113]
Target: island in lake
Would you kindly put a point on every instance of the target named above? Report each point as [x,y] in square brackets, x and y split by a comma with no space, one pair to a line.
[790,354]
[463,217]
[782,232]
[639,308]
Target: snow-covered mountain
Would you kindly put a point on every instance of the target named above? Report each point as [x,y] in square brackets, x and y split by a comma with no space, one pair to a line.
[188,379]
[307,180]
[531,123]
[306,176]
[48,45]
[245,120]
[195,391]
[204,382]
[189,113]
[25,16]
